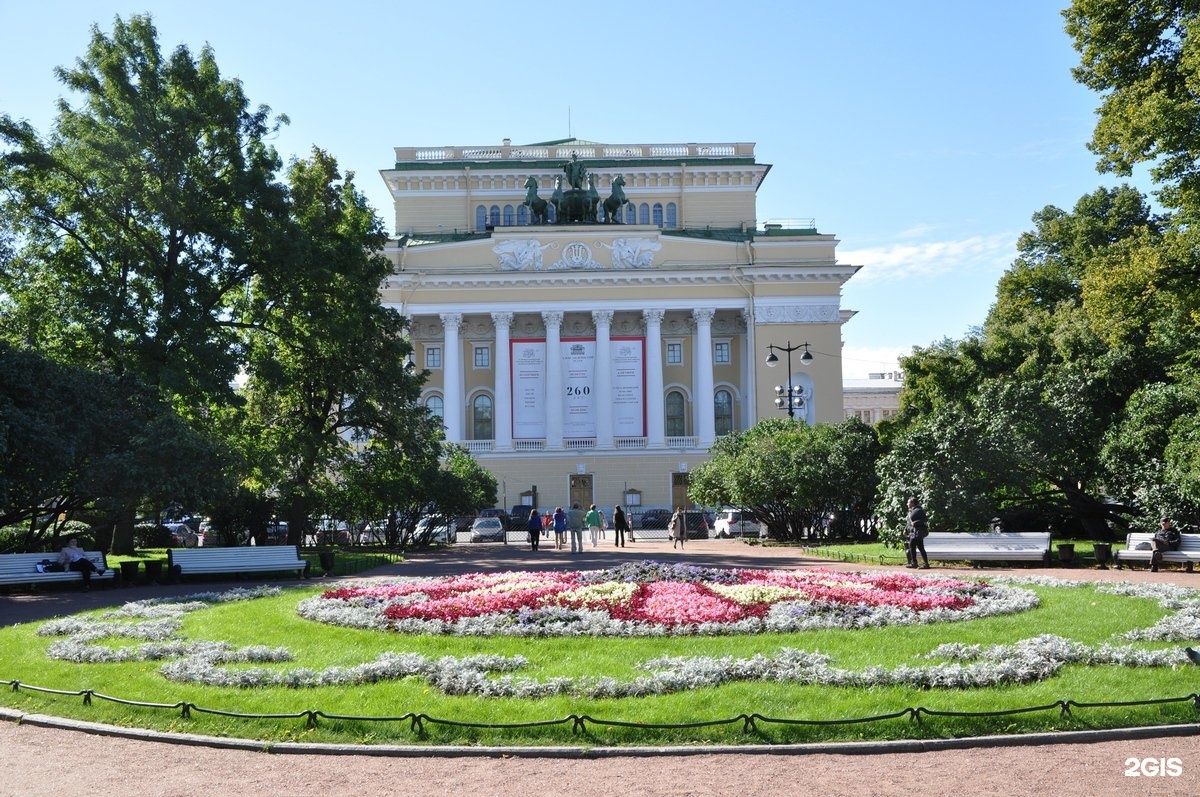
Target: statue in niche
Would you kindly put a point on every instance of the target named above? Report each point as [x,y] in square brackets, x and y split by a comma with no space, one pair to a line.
[538,213]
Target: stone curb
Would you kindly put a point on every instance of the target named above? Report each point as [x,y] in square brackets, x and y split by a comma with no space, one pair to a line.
[570,752]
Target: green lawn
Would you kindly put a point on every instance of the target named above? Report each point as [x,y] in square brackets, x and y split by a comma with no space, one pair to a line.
[1081,614]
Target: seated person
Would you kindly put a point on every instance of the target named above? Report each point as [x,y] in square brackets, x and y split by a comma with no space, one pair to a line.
[72,557]
[1165,539]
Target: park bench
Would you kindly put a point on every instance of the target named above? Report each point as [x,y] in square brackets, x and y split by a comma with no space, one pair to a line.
[1188,553]
[999,546]
[21,568]
[235,561]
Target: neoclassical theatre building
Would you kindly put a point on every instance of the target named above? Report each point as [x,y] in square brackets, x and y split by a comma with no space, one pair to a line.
[594,316]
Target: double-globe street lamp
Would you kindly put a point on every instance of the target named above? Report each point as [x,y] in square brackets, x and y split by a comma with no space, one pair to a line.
[791,397]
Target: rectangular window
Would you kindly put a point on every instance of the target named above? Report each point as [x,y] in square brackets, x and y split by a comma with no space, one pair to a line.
[483,357]
[433,357]
[721,353]
[674,353]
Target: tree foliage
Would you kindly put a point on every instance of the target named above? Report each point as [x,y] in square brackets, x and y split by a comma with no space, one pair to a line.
[793,476]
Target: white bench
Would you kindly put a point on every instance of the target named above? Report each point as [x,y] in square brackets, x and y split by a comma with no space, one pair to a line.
[1001,546]
[1188,553]
[242,559]
[21,568]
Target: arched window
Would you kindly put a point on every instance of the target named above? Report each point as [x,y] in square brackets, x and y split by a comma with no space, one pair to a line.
[522,215]
[495,220]
[644,214]
[723,411]
[676,420]
[658,215]
[481,418]
[509,215]
[436,407]
[480,218]
[672,216]
[630,214]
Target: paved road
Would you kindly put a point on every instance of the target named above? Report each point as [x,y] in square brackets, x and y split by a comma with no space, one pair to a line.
[1129,763]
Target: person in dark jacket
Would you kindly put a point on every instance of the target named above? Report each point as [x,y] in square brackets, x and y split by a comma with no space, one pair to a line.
[620,525]
[535,529]
[1165,539]
[915,531]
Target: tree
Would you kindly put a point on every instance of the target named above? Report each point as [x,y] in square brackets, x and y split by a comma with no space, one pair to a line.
[326,366]
[793,476]
[81,441]
[1141,57]
[140,220]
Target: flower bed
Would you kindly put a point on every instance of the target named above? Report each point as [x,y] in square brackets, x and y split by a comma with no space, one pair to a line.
[651,598]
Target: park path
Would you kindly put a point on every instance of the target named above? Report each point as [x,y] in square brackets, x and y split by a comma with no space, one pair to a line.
[34,756]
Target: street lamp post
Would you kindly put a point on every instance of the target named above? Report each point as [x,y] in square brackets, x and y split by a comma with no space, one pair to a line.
[791,397]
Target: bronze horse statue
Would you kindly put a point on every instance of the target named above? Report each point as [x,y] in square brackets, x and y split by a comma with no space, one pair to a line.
[612,205]
[537,206]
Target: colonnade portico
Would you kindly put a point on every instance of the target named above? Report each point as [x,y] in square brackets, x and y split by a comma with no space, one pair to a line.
[649,334]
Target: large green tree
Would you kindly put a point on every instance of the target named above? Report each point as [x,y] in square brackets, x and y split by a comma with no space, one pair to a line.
[327,361]
[143,215]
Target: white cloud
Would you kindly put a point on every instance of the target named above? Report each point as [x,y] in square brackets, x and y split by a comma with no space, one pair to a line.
[858,361]
[990,253]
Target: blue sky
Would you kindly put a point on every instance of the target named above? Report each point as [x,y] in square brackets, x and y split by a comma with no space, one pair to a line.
[923,135]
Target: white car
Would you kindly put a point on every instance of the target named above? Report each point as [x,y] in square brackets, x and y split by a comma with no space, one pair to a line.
[487,529]
[736,523]
[437,529]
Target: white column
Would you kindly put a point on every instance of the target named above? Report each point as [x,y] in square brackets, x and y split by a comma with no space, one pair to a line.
[603,377]
[503,418]
[554,382]
[702,405]
[452,380]
[749,388]
[655,418]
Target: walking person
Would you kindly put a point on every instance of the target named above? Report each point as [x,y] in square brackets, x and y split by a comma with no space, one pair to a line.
[916,528]
[594,520]
[620,527]
[560,528]
[535,529]
[547,524]
[575,526]
[678,527]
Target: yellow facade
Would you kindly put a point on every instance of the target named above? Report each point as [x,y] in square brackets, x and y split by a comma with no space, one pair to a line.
[544,342]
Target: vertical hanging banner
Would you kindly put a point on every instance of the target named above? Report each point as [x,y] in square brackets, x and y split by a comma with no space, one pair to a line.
[528,388]
[577,393]
[578,389]
[628,387]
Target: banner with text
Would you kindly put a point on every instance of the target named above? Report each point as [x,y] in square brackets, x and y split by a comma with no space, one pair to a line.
[577,393]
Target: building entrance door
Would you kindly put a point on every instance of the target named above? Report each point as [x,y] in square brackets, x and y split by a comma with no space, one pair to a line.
[679,488]
[581,490]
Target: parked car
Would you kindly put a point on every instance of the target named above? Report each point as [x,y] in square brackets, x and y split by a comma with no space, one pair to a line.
[497,512]
[487,529]
[433,529]
[518,519]
[736,523]
[654,519]
[182,535]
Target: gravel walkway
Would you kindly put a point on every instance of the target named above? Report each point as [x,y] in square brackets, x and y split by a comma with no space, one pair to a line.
[34,758]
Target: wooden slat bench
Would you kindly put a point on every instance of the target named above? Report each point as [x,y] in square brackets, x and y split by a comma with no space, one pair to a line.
[1004,546]
[21,568]
[234,561]
[1188,553]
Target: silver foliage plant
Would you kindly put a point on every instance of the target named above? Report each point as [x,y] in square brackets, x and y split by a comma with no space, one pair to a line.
[954,666]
